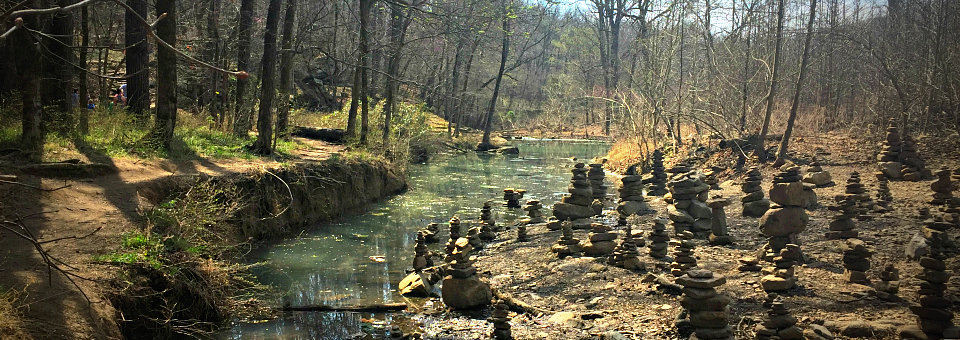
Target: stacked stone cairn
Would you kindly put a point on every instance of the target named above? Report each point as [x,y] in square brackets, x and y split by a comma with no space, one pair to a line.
[688,192]
[778,323]
[430,233]
[659,239]
[913,165]
[500,317]
[719,234]
[842,225]
[708,310]
[534,215]
[657,179]
[473,236]
[889,285]
[864,202]
[884,198]
[462,289]
[454,236]
[522,233]
[942,189]
[817,176]
[710,178]
[418,283]
[626,254]
[567,245]
[513,197]
[933,311]
[631,196]
[754,205]
[683,259]
[422,259]
[600,242]
[782,223]
[782,276]
[749,264]
[577,205]
[488,225]
[888,161]
[596,176]
[856,261]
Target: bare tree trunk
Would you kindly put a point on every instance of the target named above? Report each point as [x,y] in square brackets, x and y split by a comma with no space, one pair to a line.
[58,69]
[771,96]
[355,95]
[83,125]
[286,70]
[785,141]
[27,56]
[365,7]
[166,120]
[138,59]
[485,143]
[263,146]
[212,96]
[463,90]
[242,116]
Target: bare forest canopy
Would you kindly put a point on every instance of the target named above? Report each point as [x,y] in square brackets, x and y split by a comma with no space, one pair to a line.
[636,68]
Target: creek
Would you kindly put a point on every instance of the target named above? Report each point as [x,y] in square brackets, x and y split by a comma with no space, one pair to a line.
[359,260]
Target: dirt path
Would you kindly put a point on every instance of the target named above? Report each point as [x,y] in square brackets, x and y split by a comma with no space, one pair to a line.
[103,208]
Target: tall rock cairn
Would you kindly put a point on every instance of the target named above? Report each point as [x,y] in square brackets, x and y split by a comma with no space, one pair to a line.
[683,258]
[657,179]
[856,261]
[430,233]
[842,225]
[567,245]
[534,215]
[522,233]
[688,210]
[781,224]
[942,189]
[888,161]
[884,198]
[659,239]
[421,258]
[512,197]
[864,203]
[454,236]
[488,225]
[500,317]
[600,241]
[596,175]
[626,254]
[913,165]
[754,205]
[889,285]
[462,289]
[473,236]
[631,196]
[933,311]
[577,205]
[778,323]
[707,309]
[719,234]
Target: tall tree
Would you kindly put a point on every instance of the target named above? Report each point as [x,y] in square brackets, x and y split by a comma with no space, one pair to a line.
[263,146]
[242,115]
[774,78]
[212,94]
[485,143]
[286,69]
[804,60]
[365,7]
[58,66]
[83,125]
[138,59]
[166,119]
[399,21]
[27,56]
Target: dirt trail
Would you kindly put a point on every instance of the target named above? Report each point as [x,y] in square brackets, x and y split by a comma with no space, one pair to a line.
[103,208]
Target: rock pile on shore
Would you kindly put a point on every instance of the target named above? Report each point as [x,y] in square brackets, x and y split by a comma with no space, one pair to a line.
[884,198]
[782,223]
[656,181]
[596,175]
[683,259]
[577,205]
[782,275]
[421,259]
[942,188]
[888,161]
[631,196]
[817,176]
[534,215]
[600,242]
[500,317]
[513,197]
[626,254]
[719,234]
[462,289]
[430,233]
[856,261]
[934,316]
[913,165]
[754,205]
[473,236]
[452,242]
[687,197]
[889,285]
[842,225]
[659,239]
[488,225]
[777,323]
[522,233]
[707,309]
[567,245]
[855,189]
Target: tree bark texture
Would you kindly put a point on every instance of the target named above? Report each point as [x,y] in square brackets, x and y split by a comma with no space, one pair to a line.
[804,60]
[138,59]
[286,69]
[485,143]
[263,146]
[242,118]
[166,119]
[771,96]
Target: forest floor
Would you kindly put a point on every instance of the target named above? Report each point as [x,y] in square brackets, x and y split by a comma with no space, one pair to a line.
[77,219]
[602,298]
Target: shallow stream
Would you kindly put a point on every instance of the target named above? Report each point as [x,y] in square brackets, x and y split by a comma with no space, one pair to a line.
[359,260]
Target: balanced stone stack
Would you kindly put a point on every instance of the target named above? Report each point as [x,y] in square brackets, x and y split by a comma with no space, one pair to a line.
[600,242]
[778,323]
[688,192]
[657,180]
[500,318]
[626,255]
[454,236]
[842,225]
[913,165]
[956,179]
[856,261]
[513,197]
[933,311]
[659,239]
[754,205]
[577,205]
[855,189]
[522,233]
[683,259]
[707,309]
[889,285]
[430,233]
[749,264]
[718,222]
[488,225]
[473,236]
[534,214]
[942,188]
[888,161]
[710,178]
[421,259]
[631,196]
[596,177]
[884,198]
[786,218]
[462,289]
[782,277]
[567,245]
[817,176]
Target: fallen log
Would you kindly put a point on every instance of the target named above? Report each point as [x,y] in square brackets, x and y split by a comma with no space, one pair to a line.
[375,308]
[517,305]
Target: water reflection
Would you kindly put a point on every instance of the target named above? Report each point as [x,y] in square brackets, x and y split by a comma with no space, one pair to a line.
[360,259]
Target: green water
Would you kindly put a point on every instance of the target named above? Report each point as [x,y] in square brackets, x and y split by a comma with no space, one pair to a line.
[360,260]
